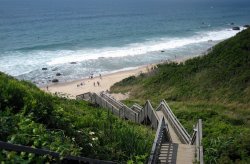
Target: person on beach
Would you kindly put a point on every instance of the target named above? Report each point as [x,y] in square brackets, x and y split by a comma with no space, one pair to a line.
[94,84]
[47,87]
[98,83]
[100,75]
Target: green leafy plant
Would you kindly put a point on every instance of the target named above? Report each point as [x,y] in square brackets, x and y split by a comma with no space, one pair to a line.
[33,118]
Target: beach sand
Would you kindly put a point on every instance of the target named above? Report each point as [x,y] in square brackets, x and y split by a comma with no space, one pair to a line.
[74,88]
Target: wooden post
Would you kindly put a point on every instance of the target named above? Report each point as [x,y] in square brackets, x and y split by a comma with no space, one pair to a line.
[200,141]
[147,114]
[119,113]
[197,145]
[201,155]
[124,112]
[200,130]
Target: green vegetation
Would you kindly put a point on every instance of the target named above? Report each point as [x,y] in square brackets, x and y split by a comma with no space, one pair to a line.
[28,116]
[214,87]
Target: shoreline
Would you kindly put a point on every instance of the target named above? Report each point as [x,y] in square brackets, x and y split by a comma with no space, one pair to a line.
[73,88]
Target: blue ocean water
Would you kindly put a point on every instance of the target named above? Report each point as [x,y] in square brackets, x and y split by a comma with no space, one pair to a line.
[108,35]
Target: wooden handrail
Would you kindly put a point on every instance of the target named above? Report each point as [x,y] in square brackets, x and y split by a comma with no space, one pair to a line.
[140,107]
[157,142]
[83,96]
[127,112]
[108,97]
[178,122]
[135,108]
[21,148]
[152,114]
[178,128]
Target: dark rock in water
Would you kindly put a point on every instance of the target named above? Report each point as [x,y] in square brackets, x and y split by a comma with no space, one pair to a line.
[246,26]
[55,81]
[58,74]
[44,68]
[236,28]
[72,62]
[162,51]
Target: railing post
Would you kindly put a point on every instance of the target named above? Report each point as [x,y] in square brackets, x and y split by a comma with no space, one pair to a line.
[119,113]
[200,130]
[124,112]
[145,110]
[151,116]
[147,114]
[197,142]
[200,141]
[201,155]
[95,99]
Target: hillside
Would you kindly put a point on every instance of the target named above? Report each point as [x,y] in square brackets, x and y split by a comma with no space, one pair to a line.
[28,116]
[214,87]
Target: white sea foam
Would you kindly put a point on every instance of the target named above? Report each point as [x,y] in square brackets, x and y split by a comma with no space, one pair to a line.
[18,63]
[153,45]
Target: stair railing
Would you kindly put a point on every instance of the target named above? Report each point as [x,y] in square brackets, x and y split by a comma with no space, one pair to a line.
[177,126]
[155,151]
[56,155]
[197,141]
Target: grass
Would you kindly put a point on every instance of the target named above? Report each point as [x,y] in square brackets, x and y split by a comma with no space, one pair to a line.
[31,117]
[214,87]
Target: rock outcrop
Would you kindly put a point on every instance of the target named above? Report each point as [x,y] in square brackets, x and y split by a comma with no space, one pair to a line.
[55,81]
[236,28]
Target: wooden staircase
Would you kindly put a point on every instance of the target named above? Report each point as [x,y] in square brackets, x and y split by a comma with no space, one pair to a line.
[172,142]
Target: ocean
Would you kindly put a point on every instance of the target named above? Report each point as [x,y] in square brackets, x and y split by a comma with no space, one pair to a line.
[79,37]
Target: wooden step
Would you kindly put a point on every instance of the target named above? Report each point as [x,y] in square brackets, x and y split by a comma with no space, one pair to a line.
[168,153]
[186,154]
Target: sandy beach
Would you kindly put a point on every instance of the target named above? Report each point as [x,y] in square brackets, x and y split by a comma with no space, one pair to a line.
[71,89]
[74,88]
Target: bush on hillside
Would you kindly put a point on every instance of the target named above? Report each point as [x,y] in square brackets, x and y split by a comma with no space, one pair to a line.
[30,117]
